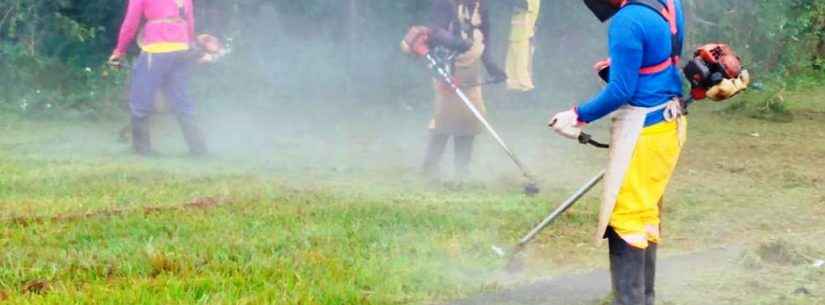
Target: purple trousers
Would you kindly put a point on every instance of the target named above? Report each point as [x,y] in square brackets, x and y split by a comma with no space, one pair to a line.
[168,72]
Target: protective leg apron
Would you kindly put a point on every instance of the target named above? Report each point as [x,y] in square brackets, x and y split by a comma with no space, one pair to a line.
[627,126]
[632,257]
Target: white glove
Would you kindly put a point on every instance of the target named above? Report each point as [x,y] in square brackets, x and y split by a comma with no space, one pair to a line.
[567,124]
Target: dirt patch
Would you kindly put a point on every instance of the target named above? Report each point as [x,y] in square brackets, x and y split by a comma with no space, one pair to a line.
[203,203]
[809,114]
[3,296]
[36,287]
[780,252]
[198,203]
[673,274]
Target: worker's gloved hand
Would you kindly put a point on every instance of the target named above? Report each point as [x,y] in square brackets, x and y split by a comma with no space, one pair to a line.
[497,75]
[446,39]
[116,60]
[602,69]
[463,45]
[729,87]
[567,124]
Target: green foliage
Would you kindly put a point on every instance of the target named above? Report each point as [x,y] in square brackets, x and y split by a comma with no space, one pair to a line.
[47,45]
[771,36]
[48,52]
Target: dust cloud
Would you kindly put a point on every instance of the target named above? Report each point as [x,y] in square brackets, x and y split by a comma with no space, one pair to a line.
[335,92]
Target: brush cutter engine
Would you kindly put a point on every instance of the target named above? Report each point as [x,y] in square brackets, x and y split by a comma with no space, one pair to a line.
[208,49]
[715,72]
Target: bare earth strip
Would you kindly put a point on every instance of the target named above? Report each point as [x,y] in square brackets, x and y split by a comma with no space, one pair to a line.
[674,274]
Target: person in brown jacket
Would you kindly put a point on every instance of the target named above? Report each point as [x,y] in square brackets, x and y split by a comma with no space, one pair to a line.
[461,26]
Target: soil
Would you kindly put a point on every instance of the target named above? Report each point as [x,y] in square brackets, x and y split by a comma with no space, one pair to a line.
[674,274]
[36,287]
[198,203]
[780,252]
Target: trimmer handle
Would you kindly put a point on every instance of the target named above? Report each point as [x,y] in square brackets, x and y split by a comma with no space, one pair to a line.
[587,139]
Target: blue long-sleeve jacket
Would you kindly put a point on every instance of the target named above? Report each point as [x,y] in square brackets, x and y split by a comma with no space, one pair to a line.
[638,37]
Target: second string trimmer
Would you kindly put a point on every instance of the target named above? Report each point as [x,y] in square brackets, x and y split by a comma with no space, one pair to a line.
[531,188]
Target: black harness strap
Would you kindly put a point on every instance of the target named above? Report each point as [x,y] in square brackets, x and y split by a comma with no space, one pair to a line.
[662,10]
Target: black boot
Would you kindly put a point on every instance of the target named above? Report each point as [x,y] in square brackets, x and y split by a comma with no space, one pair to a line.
[193,136]
[435,149]
[141,136]
[463,155]
[627,271]
[650,274]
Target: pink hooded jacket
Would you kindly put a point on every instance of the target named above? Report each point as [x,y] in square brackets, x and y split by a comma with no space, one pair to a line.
[162,23]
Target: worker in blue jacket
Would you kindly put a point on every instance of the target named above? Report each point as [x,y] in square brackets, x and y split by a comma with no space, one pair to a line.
[643,94]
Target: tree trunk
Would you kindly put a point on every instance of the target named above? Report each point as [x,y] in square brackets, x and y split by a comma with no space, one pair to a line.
[353,20]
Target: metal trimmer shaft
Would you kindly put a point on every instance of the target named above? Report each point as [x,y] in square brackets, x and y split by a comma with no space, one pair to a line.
[561,209]
[447,79]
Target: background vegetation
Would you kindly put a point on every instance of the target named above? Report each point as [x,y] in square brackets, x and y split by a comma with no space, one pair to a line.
[52,52]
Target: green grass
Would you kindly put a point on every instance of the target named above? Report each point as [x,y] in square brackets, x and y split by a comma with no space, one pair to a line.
[99,226]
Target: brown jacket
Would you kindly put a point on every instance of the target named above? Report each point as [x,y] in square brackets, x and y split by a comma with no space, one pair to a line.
[451,116]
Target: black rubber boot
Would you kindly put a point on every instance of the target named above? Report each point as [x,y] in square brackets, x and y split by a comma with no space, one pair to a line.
[193,136]
[435,149]
[141,136]
[650,274]
[627,271]
[463,155]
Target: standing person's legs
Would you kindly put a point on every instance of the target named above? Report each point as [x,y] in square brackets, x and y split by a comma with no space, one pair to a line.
[463,154]
[176,89]
[147,76]
[435,149]
[627,271]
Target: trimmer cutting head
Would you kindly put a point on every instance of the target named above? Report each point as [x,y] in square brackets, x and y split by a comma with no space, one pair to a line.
[531,189]
[515,258]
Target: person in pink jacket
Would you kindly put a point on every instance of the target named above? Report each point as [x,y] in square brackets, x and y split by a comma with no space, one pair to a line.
[165,39]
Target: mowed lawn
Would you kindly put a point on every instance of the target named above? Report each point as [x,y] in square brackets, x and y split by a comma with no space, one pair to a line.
[103,227]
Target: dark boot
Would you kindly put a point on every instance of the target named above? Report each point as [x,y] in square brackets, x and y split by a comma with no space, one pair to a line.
[650,274]
[463,155]
[435,149]
[193,135]
[141,136]
[627,271]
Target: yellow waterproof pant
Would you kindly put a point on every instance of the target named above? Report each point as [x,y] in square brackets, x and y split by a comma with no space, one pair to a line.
[520,52]
[520,66]
[636,215]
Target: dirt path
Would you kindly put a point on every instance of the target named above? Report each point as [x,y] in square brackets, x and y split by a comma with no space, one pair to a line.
[674,274]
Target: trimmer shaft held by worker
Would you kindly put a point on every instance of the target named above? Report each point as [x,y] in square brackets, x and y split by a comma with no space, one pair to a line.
[442,70]
[566,205]
[561,209]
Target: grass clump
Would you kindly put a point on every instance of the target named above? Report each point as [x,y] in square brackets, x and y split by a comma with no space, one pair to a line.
[769,105]
[780,252]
